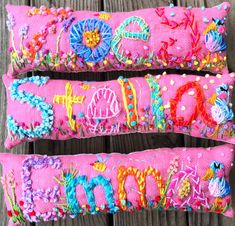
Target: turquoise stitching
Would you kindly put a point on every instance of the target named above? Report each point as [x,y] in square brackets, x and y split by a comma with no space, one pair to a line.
[71,183]
[121,32]
[157,103]
[34,101]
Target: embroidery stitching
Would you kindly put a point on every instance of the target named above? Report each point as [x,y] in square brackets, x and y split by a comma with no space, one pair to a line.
[70,181]
[121,33]
[97,35]
[68,100]
[46,125]
[199,108]
[140,178]
[156,102]
[130,101]
[49,195]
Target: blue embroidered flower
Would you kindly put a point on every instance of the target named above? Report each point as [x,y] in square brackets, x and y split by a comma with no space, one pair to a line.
[91,39]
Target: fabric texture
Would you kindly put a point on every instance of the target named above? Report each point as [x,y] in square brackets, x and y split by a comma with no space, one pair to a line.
[52,187]
[166,37]
[60,109]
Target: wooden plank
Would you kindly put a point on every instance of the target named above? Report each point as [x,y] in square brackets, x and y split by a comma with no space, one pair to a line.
[138,142]
[213,219]
[92,145]
[23,148]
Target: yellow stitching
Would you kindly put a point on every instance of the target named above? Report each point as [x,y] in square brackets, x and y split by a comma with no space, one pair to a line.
[68,100]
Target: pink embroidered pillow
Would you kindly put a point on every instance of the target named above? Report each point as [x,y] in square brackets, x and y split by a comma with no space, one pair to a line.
[166,37]
[48,188]
[60,109]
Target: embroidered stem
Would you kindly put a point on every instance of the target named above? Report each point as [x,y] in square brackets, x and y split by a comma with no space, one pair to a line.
[58,41]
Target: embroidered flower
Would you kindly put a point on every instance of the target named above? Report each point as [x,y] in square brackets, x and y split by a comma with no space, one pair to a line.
[10,21]
[91,39]
[23,31]
[221,29]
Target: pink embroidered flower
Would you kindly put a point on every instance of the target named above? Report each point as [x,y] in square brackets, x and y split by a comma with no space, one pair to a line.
[173,168]
[11,179]
[220,173]
[4,182]
[221,29]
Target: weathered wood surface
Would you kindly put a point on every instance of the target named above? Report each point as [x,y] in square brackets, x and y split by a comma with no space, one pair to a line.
[124,143]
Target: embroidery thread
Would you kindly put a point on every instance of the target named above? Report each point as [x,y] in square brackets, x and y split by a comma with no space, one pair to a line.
[44,128]
[156,102]
[130,101]
[68,100]
[97,35]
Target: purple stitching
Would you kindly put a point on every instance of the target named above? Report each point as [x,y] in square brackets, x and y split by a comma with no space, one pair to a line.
[49,195]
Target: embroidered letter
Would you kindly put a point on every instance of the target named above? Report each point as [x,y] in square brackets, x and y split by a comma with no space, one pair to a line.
[29,195]
[70,181]
[129,100]
[140,178]
[156,102]
[199,108]
[45,127]
[68,100]
[121,32]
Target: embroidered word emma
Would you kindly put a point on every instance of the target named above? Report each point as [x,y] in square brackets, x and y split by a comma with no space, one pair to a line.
[165,37]
[180,178]
[59,109]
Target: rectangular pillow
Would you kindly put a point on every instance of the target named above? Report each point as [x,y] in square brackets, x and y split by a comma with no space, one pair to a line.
[74,41]
[60,109]
[48,188]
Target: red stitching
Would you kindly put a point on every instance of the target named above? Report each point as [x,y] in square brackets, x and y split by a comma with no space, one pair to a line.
[199,108]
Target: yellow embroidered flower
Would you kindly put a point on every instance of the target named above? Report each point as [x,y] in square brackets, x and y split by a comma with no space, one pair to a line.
[104,16]
[184,191]
[85,86]
[91,38]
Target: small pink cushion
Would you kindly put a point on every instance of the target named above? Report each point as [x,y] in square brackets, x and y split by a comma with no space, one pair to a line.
[49,188]
[39,107]
[166,37]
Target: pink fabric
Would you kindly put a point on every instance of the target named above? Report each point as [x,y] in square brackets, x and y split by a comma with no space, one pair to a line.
[184,164]
[176,38]
[102,110]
